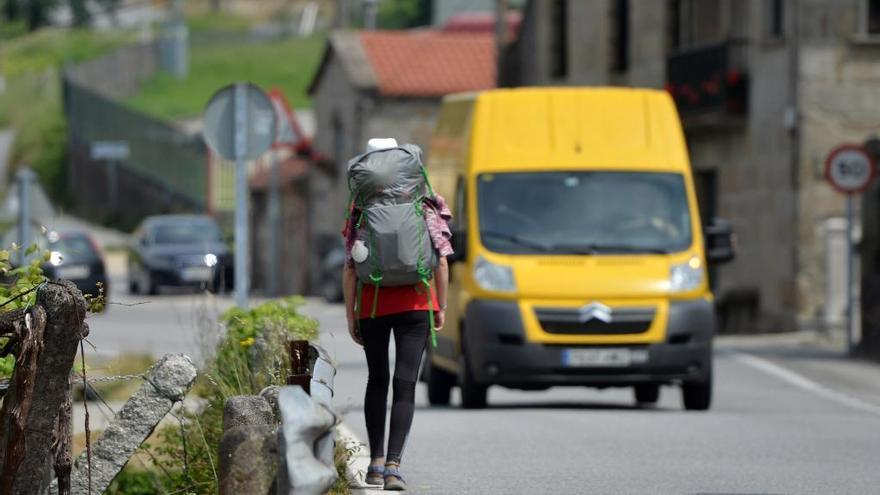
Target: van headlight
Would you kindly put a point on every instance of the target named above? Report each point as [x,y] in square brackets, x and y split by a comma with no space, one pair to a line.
[686,277]
[492,277]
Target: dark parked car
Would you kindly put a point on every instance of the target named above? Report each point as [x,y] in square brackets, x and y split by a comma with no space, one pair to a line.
[74,255]
[178,250]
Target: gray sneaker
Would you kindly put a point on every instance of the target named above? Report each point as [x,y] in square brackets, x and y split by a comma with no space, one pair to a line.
[375,475]
[393,479]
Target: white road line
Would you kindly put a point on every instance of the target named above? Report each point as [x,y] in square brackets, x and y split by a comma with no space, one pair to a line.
[805,383]
[358,462]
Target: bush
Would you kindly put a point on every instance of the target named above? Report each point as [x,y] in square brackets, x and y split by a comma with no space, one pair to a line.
[248,358]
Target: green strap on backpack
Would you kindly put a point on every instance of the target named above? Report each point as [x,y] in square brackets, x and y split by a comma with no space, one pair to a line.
[382,185]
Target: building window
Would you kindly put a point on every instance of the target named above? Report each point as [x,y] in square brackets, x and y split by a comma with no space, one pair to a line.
[559,40]
[696,22]
[870,17]
[619,36]
[776,19]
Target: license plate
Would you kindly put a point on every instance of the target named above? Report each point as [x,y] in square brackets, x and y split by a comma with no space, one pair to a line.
[196,274]
[73,272]
[597,358]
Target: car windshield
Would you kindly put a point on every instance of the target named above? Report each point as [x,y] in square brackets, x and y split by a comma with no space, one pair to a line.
[583,212]
[186,232]
[74,247]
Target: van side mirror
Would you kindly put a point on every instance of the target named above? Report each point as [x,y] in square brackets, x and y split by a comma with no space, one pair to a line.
[720,241]
[459,245]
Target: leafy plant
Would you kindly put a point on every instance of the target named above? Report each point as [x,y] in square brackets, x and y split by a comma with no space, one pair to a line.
[249,357]
[17,291]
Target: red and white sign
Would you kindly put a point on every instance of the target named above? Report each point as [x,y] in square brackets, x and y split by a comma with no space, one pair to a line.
[850,169]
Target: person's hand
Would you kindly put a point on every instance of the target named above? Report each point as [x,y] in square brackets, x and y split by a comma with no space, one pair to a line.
[439,319]
[355,332]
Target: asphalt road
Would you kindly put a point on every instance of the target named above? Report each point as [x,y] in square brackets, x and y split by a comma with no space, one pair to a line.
[784,419]
[766,433]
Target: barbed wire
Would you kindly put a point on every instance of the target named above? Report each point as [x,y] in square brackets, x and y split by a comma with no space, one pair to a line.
[114,378]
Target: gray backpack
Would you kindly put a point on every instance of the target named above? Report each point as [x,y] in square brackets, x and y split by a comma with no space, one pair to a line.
[387,188]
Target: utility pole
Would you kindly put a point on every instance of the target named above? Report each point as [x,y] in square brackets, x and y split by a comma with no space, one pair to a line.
[371,8]
[341,14]
[25,178]
[274,223]
[500,39]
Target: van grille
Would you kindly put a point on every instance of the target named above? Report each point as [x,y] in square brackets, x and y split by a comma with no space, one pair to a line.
[621,321]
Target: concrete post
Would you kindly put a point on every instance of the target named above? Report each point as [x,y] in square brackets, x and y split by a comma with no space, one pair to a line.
[167,382]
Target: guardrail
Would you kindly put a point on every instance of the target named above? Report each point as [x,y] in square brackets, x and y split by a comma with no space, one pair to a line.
[285,437]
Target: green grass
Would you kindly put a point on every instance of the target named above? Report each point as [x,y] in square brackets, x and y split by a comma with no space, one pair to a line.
[47,48]
[10,29]
[218,22]
[31,64]
[287,64]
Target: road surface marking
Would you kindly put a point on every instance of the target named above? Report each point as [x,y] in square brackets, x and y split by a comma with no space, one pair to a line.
[805,383]
[358,462]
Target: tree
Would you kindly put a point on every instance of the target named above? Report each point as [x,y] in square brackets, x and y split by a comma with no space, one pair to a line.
[111,8]
[37,12]
[11,10]
[81,15]
[404,14]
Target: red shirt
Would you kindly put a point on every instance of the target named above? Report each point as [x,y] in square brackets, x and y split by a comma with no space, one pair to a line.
[395,300]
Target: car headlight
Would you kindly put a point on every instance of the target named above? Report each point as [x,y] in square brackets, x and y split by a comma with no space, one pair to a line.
[492,277]
[686,277]
[211,259]
[56,258]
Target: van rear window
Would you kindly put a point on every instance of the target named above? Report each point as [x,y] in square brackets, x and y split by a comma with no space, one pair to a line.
[583,212]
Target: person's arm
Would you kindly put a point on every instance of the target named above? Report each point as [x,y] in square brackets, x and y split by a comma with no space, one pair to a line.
[441,283]
[349,287]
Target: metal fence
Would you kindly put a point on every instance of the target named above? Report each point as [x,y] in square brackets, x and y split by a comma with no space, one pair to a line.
[159,152]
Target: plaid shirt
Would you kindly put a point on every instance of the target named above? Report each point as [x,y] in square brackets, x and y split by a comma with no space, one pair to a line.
[437,216]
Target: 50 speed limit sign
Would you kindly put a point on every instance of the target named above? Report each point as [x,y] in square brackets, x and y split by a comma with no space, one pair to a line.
[850,169]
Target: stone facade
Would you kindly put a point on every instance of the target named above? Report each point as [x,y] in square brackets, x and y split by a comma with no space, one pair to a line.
[812,79]
[346,116]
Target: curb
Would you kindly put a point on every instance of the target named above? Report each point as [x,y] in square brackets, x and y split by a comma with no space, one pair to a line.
[357,463]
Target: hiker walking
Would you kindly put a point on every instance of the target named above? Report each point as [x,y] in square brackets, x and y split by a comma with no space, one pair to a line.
[394,280]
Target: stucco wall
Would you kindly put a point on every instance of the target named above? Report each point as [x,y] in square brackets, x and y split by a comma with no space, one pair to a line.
[356,115]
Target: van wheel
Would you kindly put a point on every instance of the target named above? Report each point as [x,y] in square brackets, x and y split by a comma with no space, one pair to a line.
[440,383]
[647,393]
[473,395]
[697,396]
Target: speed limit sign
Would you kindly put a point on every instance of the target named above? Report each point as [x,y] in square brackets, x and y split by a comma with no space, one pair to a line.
[850,169]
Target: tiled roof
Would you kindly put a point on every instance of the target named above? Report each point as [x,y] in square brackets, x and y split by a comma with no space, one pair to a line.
[429,63]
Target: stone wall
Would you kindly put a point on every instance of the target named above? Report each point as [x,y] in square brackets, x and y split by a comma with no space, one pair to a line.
[345,118]
[839,77]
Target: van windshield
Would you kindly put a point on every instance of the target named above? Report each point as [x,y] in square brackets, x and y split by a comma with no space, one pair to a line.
[583,212]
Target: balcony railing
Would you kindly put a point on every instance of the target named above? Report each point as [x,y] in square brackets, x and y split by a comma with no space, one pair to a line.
[709,80]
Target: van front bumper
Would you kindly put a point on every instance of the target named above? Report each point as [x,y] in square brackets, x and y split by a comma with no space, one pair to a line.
[499,353]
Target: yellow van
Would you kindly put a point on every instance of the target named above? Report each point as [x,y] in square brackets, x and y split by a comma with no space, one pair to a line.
[580,256]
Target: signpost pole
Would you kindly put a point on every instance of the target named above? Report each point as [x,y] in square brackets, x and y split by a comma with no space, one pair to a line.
[850,169]
[242,235]
[240,125]
[850,276]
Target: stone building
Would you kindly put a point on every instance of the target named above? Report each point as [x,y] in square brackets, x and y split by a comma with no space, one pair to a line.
[766,88]
[381,84]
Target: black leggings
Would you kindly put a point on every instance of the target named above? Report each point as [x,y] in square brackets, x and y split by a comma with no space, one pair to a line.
[410,337]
